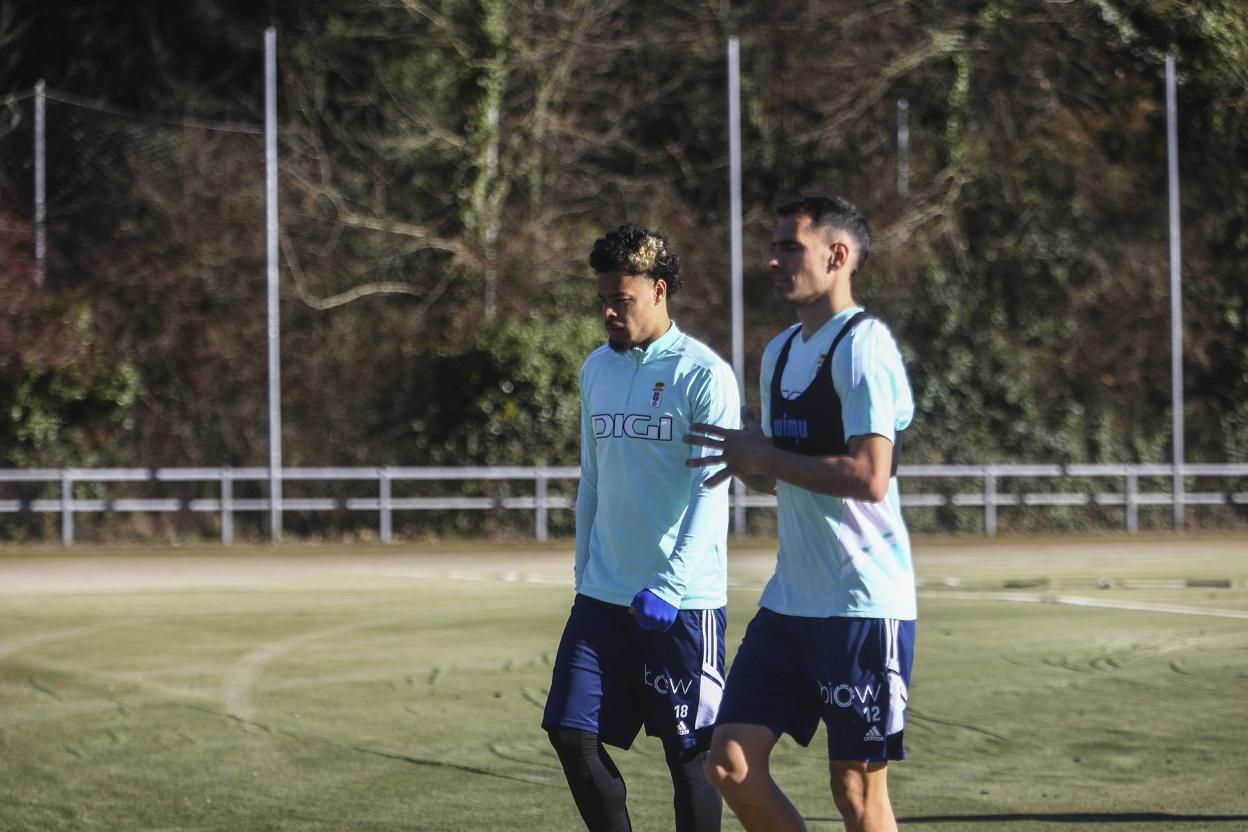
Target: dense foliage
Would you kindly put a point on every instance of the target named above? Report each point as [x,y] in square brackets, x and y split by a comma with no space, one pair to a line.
[447,165]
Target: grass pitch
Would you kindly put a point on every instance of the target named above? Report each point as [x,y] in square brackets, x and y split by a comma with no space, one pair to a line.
[1095,684]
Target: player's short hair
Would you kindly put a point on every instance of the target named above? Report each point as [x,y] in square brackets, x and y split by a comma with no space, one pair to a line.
[637,251]
[832,213]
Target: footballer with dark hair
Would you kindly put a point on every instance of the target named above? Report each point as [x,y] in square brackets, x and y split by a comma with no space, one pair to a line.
[833,640]
[644,642]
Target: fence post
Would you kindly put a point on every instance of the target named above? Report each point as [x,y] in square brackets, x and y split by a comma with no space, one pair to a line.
[227,507]
[1177,500]
[1133,507]
[990,501]
[383,505]
[740,524]
[67,507]
[539,504]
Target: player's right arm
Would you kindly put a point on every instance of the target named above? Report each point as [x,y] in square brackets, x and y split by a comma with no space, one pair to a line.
[713,398]
[861,475]
[587,489]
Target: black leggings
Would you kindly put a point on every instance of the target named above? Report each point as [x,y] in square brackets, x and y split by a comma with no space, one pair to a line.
[600,795]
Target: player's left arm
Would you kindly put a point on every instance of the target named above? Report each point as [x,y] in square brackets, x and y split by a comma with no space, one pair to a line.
[587,487]
[715,399]
[862,475]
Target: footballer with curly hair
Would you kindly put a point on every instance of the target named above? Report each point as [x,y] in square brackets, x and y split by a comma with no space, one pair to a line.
[644,642]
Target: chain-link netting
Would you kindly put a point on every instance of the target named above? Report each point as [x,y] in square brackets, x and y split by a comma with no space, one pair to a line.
[17,212]
[165,199]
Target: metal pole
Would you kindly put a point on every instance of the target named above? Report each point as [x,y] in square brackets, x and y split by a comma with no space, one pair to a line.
[903,147]
[41,186]
[1176,295]
[275,370]
[227,507]
[67,508]
[738,319]
[990,502]
[491,222]
[384,504]
[542,529]
[1131,498]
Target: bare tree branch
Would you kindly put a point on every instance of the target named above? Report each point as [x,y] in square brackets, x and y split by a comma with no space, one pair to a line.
[380,287]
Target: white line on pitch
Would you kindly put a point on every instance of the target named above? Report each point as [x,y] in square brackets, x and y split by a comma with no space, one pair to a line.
[240,678]
[37,639]
[1077,601]
[736,585]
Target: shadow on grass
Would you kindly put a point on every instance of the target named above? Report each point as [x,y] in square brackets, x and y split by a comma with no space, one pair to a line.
[404,758]
[1071,817]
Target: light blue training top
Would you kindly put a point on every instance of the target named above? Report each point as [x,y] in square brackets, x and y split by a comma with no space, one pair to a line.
[644,519]
[842,557]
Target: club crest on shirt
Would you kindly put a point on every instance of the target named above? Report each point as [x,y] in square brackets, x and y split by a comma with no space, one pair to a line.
[656,396]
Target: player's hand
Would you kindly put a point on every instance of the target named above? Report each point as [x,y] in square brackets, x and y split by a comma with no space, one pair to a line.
[743,453]
[652,612]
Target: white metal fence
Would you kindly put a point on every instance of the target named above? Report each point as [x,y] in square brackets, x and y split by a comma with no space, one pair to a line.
[993,491]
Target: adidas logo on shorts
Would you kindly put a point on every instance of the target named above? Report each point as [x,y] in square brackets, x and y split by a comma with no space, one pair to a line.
[681,728]
[874,735]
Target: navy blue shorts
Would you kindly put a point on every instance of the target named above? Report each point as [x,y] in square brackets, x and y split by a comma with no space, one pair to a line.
[853,673]
[611,677]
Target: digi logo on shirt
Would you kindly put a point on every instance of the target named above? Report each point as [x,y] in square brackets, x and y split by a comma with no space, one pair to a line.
[632,425]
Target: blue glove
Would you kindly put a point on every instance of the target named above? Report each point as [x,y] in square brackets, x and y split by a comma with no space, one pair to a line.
[653,613]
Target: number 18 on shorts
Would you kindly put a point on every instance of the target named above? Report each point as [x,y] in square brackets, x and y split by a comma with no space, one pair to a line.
[612,678]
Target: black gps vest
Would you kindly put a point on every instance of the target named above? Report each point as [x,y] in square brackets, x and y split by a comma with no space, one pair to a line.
[811,424]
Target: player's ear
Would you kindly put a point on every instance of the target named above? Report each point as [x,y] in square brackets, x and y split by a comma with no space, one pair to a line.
[838,256]
[660,289]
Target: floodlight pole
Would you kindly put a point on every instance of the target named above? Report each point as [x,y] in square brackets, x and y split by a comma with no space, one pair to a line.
[738,322]
[41,185]
[1176,295]
[903,147]
[270,201]
[491,222]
